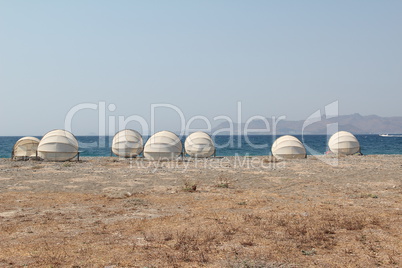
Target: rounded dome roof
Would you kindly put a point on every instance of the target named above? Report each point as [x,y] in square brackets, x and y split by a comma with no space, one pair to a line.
[164,144]
[58,145]
[199,144]
[127,143]
[288,147]
[26,147]
[344,142]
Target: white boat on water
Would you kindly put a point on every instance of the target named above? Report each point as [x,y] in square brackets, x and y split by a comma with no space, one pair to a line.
[391,135]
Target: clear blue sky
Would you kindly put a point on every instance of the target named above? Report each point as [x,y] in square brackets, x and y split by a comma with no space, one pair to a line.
[276,57]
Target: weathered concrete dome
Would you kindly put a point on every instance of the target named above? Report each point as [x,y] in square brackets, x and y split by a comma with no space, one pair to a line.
[58,145]
[344,143]
[288,147]
[199,144]
[163,145]
[127,143]
[25,147]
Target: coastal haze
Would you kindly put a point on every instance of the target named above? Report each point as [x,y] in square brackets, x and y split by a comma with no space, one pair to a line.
[354,123]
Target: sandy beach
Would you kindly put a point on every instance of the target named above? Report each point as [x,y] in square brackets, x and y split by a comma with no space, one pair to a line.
[222,212]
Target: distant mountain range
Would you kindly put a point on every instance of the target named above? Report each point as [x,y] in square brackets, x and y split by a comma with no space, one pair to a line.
[355,123]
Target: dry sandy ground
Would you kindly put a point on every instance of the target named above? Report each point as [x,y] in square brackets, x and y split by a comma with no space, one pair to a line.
[224,212]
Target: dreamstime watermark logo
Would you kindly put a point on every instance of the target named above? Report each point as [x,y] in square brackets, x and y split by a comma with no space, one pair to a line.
[238,134]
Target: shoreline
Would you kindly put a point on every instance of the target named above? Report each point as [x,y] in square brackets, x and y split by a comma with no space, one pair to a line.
[217,157]
[228,146]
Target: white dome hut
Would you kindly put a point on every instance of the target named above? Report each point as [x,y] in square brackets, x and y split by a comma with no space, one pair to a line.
[25,148]
[127,143]
[58,145]
[344,143]
[288,147]
[163,145]
[199,144]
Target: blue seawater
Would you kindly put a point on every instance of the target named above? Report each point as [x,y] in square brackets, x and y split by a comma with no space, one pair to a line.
[234,145]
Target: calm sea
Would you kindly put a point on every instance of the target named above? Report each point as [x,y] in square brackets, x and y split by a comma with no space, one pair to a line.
[232,145]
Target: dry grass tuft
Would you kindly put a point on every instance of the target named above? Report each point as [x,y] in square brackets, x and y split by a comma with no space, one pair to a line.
[272,159]
[189,186]
[368,195]
[223,182]
[36,167]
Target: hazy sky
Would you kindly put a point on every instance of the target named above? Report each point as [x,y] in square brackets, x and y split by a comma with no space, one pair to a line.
[276,57]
